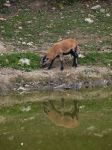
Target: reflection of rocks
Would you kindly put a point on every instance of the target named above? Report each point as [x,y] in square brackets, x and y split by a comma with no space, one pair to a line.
[85,84]
[62,116]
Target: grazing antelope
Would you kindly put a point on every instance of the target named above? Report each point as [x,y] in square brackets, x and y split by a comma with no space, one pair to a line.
[61,117]
[64,47]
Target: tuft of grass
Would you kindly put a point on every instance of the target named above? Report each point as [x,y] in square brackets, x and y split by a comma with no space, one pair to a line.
[95,58]
[12,60]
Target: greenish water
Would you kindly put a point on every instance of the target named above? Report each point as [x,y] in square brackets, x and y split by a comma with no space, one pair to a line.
[61,124]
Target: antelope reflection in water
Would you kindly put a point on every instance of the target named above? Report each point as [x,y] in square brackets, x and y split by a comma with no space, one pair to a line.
[62,116]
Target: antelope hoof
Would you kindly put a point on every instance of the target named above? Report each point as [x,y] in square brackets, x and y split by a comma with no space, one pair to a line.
[62,69]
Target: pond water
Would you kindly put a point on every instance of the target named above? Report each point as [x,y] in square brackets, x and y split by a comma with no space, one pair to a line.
[63,120]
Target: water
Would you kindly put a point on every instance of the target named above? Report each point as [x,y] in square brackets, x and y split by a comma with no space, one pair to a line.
[64,120]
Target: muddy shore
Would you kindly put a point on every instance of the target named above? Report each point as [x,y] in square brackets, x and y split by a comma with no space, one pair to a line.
[83,77]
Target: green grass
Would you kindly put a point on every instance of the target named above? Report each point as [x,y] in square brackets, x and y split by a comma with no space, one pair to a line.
[95,58]
[47,27]
[12,61]
[41,28]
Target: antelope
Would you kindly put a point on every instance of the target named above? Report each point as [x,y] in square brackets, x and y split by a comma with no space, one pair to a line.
[64,47]
[60,117]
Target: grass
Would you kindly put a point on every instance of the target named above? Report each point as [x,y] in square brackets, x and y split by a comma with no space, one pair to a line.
[48,27]
[12,60]
[95,58]
[39,29]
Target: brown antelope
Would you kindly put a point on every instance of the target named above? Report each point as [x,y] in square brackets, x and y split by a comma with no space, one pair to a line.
[64,47]
[60,117]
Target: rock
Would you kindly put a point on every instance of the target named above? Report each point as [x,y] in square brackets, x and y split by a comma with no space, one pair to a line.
[102,10]
[98,135]
[24,61]
[24,43]
[21,89]
[81,56]
[89,20]
[2,19]
[108,15]
[26,109]
[82,106]
[91,128]
[7,3]
[60,86]
[96,7]
[20,27]
[22,144]
[30,43]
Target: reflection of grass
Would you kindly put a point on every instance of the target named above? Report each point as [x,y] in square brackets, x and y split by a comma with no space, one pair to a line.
[12,60]
[20,110]
[93,105]
[31,128]
[92,100]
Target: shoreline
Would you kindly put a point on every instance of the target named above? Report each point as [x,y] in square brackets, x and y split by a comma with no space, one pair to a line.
[83,77]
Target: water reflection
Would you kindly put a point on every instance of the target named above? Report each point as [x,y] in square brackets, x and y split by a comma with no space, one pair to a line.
[62,113]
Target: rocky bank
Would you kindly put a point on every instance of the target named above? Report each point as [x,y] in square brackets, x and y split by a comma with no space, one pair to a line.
[71,78]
